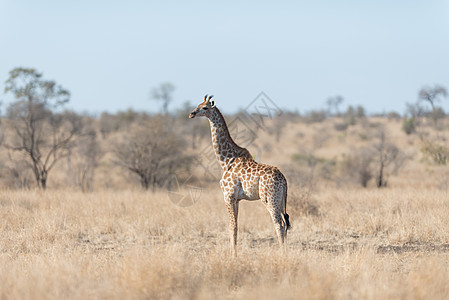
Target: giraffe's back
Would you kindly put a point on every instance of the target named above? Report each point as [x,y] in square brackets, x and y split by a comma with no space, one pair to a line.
[254,180]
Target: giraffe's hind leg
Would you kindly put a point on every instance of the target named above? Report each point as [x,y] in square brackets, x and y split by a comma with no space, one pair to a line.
[279,227]
[276,216]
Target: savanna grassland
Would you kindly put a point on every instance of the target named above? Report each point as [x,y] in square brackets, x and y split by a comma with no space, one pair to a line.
[119,241]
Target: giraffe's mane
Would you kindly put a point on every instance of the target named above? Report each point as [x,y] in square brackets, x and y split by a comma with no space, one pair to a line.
[245,151]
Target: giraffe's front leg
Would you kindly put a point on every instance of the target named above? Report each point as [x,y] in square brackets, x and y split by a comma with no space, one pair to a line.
[233,210]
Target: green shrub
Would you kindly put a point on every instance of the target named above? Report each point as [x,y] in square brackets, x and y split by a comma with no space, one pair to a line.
[409,125]
[437,153]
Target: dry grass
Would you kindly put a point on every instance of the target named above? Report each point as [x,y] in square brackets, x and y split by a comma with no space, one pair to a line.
[346,242]
[371,244]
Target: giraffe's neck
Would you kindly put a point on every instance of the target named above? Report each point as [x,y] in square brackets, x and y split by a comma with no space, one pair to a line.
[226,150]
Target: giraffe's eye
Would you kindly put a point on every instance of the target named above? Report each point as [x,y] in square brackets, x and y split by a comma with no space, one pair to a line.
[205,108]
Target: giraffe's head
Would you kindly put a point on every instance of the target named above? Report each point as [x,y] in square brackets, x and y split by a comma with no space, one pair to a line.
[204,108]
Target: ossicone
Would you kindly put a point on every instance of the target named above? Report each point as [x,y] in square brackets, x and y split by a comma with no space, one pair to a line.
[207,98]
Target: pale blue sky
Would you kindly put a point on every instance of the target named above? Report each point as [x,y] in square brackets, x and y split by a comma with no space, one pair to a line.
[110,54]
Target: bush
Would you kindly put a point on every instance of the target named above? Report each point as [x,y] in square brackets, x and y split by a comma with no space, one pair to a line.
[438,154]
[408,126]
[358,166]
[378,160]
[340,126]
[392,115]
[350,116]
[315,166]
[153,152]
[315,117]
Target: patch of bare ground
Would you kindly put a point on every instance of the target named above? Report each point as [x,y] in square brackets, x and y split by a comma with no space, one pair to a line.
[413,247]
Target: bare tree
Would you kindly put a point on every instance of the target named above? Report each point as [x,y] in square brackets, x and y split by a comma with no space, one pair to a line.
[333,104]
[377,160]
[432,95]
[387,154]
[414,110]
[107,122]
[44,137]
[153,152]
[164,93]
[88,152]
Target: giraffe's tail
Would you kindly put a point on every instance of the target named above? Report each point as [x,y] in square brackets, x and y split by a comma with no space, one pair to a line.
[285,215]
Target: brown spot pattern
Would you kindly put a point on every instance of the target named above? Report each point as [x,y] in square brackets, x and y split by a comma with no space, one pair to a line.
[245,179]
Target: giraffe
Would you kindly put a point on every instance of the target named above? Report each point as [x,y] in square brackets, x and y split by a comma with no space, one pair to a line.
[243,178]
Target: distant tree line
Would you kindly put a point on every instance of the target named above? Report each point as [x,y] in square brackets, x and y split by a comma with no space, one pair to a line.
[39,133]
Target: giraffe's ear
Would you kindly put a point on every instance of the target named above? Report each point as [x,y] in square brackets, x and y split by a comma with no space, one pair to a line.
[212,104]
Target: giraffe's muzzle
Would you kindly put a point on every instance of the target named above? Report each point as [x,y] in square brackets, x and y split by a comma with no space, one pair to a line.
[192,115]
